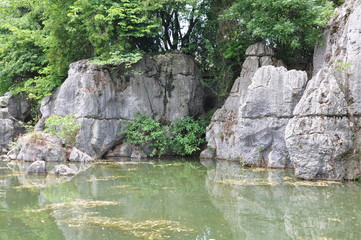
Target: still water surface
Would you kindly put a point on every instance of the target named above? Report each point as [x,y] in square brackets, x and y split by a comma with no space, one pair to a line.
[178,199]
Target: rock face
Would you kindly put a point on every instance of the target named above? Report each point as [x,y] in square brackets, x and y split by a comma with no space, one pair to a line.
[78,156]
[323,137]
[165,86]
[250,126]
[37,167]
[38,146]
[63,170]
[12,110]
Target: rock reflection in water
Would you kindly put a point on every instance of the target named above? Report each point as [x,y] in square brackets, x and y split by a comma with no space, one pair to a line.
[272,204]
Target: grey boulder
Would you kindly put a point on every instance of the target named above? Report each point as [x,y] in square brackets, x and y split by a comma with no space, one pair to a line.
[38,146]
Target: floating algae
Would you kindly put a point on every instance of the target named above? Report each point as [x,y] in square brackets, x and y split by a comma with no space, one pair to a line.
[171,164]
[77,204]
[31,187]
[266,182]
[125,187]
[134,163]
[106,178]
[312,183]
[150,229]
[251,182]
[10,175]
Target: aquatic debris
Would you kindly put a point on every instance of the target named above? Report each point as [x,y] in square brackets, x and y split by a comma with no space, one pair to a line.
[6,168]
[10,175]
[312,183]
[169,188]
[134,163]
[266,182]
[106,178]
[170,164]
[250,182]
[31,186]
[334,220]
[121,186]
[287,178]
[64,213]
[150,229]
[78,203]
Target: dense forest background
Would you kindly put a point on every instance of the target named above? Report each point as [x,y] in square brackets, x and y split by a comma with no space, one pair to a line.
[39,39]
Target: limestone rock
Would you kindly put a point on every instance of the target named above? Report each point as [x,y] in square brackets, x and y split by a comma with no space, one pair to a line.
[318,147]
[38,146]
[253,133]
[12,111]
[102,98]
[259,50]
[121,150]
[323,136]
[319,137]
[37,167]
[79,156]
[274,92]
[224,120]
[138,153]
[208,154]
[63,170]
[19,107]
[322,96]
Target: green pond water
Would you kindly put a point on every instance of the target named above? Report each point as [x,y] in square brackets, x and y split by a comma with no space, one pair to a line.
[174,199]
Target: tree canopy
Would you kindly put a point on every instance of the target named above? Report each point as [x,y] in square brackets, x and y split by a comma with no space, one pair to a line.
[39,39]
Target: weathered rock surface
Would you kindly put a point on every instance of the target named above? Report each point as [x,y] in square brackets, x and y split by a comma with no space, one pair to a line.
[12,110]
[138,153]
[79,156]
[165,86]
[250,126]
[63,170]
[36,167]
[38,146]
[323,136]
[122,150]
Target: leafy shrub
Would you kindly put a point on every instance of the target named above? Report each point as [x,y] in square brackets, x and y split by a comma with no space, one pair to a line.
[64,127]
[144,130]
[187,135]
[183,137]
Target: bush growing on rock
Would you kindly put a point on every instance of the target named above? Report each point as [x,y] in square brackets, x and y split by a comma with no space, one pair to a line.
[182,137]
[66,128]
[144,130]
[187,135]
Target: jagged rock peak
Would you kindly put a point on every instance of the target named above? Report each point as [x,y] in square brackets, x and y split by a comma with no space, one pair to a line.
[259,50]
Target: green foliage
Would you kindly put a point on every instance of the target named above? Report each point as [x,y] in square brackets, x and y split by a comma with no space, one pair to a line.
[144,130]
[64,127]
[187,135]
[118,58]
[183,137]
[39,39]
[296,23]
[342,66]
